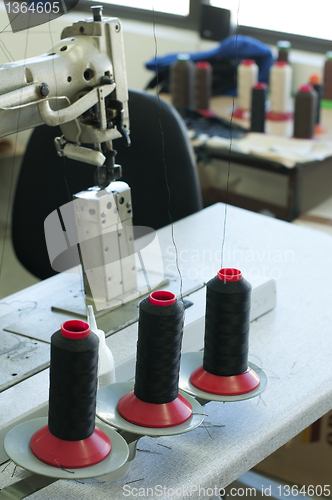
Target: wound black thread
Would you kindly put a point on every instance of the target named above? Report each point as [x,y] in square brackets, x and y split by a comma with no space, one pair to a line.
[305,106]
[227,321]
[319,89]
[73,386]
[160,331]
[258,100]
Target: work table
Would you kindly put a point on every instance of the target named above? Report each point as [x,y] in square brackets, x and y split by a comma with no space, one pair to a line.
[292,343]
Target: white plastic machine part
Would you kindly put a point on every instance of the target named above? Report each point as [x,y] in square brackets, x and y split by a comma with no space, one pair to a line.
[106,369]
[81,85]
[105,234]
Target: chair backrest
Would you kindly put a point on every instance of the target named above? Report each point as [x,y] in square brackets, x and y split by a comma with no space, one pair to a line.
[159,144]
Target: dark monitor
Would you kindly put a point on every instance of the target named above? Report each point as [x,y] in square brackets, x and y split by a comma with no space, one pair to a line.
[214,22]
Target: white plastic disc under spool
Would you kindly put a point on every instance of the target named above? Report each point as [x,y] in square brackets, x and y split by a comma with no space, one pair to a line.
[107,402]
[17,447]
[190,361]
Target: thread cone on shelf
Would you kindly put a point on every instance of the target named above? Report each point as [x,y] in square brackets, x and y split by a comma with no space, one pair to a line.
[305,109]
[258,104]
[182,83]
[203,85]
[280,92]
[247,77]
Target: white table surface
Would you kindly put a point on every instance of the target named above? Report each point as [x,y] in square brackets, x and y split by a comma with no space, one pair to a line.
[292,343]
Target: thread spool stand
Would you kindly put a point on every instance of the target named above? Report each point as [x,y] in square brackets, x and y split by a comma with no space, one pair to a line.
[185,415]
[67,444]
[226,374]
[107,402]
[192,361]
[17,447]
[152,405]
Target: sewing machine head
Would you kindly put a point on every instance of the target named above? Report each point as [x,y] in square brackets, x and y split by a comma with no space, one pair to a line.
[79,84]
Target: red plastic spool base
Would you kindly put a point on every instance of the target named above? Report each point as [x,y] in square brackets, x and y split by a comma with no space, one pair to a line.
[225,386]
[260,86]
[275,116]
[247,62]
[207,113]
[70,454]
[203,65]
[242,114]
[153,415]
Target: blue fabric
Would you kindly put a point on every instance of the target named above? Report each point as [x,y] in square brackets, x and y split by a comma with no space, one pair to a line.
[234,47]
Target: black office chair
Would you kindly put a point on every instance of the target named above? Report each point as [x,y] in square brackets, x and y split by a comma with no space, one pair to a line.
[47,181]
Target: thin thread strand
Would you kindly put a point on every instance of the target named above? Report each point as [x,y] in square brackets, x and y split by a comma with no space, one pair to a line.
[164,159]
[230,139]
[11,187]
[64,165]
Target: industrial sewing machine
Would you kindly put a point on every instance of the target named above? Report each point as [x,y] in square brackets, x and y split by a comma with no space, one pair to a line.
[80,84]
